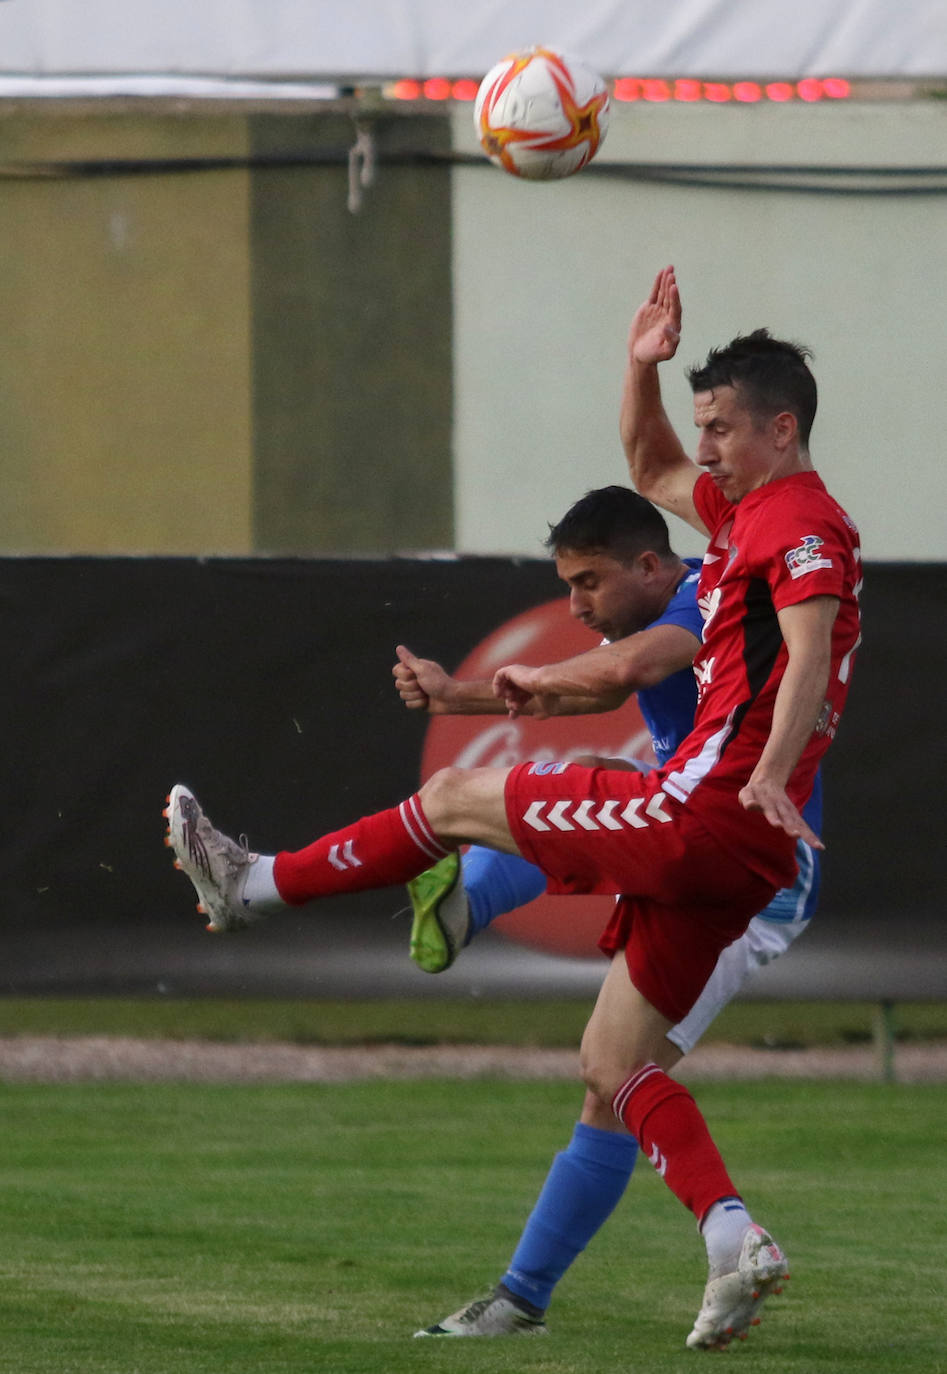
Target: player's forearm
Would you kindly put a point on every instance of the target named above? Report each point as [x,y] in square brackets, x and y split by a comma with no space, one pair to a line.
[597,680]
[807,631]
[798,705]
[468,699]
[647,435]
[556,705]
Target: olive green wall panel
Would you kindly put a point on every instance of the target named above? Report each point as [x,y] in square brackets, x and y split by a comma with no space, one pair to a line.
[351,342]
[222,359]
[125,348]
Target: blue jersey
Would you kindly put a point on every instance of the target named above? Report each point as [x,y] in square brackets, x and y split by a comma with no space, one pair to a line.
[668,711]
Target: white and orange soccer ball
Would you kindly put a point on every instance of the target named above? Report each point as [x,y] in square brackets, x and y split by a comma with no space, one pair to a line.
[541,115]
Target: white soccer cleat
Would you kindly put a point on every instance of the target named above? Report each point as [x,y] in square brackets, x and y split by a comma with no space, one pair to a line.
[215,864]
[496,1316]
[732,1302]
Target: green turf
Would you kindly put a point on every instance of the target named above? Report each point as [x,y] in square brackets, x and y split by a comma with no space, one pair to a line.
[172,1229]
[457,1020]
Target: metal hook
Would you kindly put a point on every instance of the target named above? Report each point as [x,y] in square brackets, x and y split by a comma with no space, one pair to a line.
[361,166]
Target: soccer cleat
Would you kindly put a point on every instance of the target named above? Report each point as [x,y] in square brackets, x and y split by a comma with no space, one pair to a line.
[732,1302]
[441,923]
[495,1316]
[215,864]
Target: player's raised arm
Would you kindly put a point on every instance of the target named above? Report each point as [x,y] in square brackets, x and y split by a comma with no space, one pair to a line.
[657,463]
[600,679]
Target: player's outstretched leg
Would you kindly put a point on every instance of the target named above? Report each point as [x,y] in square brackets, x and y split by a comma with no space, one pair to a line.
[456,899]
[236,887]
[738,1286]
[497,1315]
[216,865]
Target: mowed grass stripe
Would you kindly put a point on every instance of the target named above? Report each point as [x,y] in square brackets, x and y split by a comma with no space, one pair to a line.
[457,1020]
[173,1228]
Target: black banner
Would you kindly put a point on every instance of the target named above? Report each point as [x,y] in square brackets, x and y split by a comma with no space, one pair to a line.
[266,686]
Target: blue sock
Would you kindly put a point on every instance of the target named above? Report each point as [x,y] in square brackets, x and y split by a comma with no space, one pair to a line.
[582,1189]
[496,883]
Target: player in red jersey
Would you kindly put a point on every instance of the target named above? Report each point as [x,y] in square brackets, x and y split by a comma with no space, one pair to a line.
[783,564]
[699,845]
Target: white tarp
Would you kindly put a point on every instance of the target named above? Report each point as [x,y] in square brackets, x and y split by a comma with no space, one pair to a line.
[350,41]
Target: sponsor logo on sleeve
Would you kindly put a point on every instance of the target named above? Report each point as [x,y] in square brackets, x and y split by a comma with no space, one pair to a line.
[827,724]
[806,558]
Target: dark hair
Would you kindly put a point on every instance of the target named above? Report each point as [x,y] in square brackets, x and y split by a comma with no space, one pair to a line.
[614,519]
[770,374]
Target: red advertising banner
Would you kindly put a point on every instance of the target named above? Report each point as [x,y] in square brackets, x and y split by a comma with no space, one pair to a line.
[544,634]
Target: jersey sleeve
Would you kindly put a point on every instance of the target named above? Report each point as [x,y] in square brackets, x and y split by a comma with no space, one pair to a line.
[711,505]
[804,551]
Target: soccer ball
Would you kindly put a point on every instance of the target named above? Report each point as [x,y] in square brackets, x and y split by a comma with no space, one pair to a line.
[540,115]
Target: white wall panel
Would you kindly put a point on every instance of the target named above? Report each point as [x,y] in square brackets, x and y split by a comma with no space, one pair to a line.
[546,277]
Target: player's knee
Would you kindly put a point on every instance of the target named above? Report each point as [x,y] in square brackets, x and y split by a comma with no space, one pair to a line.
[599,1076]
[444,798]
[604,1070]
[467,804]
[436,792]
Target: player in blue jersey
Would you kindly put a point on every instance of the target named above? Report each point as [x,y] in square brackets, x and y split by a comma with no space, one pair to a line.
[626,584]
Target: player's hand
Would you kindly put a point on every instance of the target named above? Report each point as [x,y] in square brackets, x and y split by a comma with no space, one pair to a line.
[656,328]
[772,800]
[516,684]
[422,684]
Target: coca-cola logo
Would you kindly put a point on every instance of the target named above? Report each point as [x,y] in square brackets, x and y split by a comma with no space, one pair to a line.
[558,925]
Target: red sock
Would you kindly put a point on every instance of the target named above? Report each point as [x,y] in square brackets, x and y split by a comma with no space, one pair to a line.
[666,1122]
[378,851]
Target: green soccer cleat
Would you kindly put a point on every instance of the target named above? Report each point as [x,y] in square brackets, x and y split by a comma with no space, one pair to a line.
[441,925]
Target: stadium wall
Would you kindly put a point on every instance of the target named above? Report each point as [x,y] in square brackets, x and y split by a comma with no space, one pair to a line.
[206,352]
[265,684]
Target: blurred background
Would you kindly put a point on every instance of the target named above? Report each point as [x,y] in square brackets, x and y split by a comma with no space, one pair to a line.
[289,374]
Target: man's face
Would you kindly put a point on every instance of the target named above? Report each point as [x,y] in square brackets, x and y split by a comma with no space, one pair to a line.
[738,452]
[610,597]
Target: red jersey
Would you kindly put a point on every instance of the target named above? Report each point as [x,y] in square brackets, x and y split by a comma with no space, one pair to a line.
[782,544]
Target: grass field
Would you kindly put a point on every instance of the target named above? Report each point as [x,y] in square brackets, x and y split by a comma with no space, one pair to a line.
[169,1229]
[432,1021]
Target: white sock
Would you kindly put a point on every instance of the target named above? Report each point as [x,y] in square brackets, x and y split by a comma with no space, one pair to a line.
[723,1230]
[260,894]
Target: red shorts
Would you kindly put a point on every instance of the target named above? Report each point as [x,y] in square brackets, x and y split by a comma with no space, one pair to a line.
[684,898]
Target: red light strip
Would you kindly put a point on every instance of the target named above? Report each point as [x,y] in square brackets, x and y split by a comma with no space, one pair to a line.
[654,90]
[630,88]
